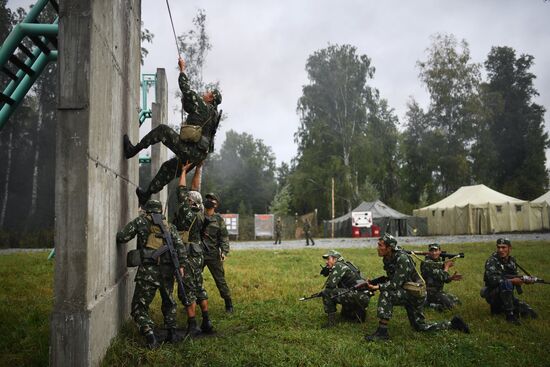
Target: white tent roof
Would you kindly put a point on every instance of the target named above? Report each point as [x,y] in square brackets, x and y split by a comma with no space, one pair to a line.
[474,195]
[378,209]
[543,198]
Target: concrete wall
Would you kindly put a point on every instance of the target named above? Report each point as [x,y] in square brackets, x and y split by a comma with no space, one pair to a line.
[159,112]
[98,101]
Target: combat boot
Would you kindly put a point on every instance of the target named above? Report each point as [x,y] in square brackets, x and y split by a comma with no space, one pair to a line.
[192,329]
[151,340]
[380,334]
[228,305]
[172,336]
[206,326]
[458,324]
[130,150]
[331,321]
[143,196]
[512,318]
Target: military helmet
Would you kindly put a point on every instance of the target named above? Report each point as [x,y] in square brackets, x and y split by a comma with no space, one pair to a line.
[389,240]
[332,253]
[217,96]
[212,196]
[504,241]
[153,206]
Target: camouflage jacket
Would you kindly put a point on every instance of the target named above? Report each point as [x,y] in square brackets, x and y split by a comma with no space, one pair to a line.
[199,112]
[141,227]
[341,276]
[434,275]
[307,228]
[187,221]
[214,236]
[400,268]
[278,227]
[496,270]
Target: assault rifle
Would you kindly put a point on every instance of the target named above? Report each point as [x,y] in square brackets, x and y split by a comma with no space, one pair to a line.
[169,246]
[314,295]
[527,279]
[444,254]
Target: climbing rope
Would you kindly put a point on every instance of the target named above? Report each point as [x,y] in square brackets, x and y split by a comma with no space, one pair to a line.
[173,29]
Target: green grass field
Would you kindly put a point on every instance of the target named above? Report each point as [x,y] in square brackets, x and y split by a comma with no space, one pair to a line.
[270,327]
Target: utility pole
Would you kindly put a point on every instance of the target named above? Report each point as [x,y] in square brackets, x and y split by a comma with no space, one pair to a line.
[332,222]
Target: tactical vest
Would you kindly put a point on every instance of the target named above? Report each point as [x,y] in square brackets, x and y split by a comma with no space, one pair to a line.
[155,239]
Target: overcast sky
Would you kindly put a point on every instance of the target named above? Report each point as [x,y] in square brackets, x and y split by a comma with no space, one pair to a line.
[259,49]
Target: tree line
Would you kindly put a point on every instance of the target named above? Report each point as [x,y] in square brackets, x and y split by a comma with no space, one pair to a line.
[473,130]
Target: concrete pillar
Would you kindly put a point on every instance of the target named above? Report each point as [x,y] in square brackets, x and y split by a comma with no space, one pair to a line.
[159,115]
[98,101]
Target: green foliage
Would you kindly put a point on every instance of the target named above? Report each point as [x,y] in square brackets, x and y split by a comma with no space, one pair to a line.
[447,127]
[512,141]
[146,37]
[346,131]
[270,327]
[242,173]
[281,202]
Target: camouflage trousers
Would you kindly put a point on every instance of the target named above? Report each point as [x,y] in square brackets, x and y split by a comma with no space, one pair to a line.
[414,307]
[192,280]
[277,237]
[502,299]
[309,238]
[215,265]
[170,169]
[148,279]
[349,300]
[441,300]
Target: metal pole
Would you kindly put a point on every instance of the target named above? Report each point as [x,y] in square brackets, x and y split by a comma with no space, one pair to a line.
[332,207]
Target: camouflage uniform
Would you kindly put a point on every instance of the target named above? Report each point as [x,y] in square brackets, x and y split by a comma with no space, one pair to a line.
[341,278]
[307,234]
[499,291]
[400,268]
[200,113]
[435,277]
[189,224]
[215,241]
[152,275]
[278,231]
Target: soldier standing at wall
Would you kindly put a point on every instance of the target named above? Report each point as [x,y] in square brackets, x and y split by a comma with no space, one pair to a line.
[215,240]
[501,278]
[153,273]
[403,286]
[435,272]
[189,220]
[191,145]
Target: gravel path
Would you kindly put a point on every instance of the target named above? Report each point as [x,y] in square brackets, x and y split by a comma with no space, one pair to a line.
[359,242]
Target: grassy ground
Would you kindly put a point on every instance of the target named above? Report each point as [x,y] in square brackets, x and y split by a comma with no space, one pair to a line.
[271,328]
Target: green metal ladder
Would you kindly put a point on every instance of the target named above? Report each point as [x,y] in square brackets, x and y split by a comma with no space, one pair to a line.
[22,65]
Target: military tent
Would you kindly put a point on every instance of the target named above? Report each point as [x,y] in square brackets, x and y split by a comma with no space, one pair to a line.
[478,209]
[385,217]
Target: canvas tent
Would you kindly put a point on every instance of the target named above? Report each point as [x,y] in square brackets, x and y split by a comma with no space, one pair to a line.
[545,198]
[385,217]
[478,209]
